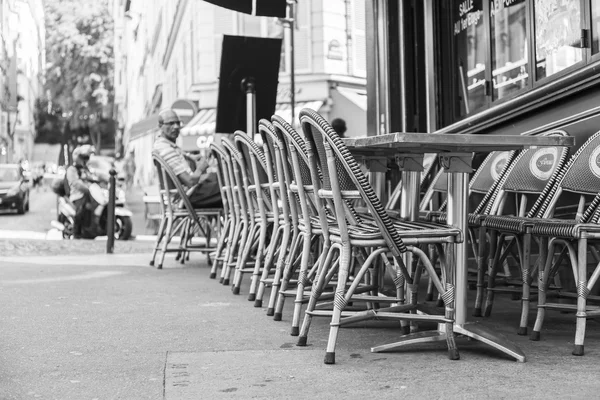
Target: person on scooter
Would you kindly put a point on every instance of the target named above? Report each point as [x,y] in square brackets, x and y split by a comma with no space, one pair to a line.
[78,178]
[207,193]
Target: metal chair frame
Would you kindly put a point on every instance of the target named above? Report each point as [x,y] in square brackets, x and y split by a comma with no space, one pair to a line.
[265,216]
[574,237]
[344,180]
[524,185]
[178,215]
[230,209]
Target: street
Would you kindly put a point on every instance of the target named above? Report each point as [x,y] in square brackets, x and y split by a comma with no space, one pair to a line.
[111,327]
[42,210]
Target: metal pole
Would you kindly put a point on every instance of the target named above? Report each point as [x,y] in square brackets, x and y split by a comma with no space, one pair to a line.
[249,87]
[292,24]
[110,215]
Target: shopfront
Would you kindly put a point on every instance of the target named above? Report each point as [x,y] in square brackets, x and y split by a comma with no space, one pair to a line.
[490,66]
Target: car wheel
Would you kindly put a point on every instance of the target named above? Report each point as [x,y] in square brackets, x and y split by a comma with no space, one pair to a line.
[21,208]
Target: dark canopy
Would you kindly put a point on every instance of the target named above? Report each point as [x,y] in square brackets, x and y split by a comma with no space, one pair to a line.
[264,8]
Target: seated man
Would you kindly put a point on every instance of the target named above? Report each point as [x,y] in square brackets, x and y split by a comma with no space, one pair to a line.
[78,179]
[208,192]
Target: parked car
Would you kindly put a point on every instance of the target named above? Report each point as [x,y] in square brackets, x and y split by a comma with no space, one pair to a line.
[14,188]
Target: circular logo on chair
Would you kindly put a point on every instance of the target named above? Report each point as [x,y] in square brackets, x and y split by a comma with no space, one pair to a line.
[498,164]
[542,162]
[595,162]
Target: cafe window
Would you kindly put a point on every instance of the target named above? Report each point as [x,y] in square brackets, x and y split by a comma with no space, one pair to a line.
[499,49]
[471,48]
[510,66]
[595,27]
[557,35]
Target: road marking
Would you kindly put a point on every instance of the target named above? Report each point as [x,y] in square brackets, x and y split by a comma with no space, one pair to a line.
[80,277]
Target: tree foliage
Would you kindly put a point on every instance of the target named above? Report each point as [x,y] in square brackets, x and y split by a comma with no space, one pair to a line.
[80,64]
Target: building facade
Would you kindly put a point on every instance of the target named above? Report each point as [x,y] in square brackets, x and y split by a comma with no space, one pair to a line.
[22,58]
[486,67]
[167,51]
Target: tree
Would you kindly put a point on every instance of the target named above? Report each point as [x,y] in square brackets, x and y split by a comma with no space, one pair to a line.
[80,68]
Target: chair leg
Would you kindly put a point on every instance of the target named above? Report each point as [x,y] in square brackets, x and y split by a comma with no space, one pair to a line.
[303,282]
[159,238]
[481,257]
[543,278]
[221,247]
[244,256]
[582,294]
[525,265]
[261,276]
[316,291]
[260,256]
[244,241]
[339,304]
[492,270]
[232,250]
[165,242]
[288,271]
[279,269]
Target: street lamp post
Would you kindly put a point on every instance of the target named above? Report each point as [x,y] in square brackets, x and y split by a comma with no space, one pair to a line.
[289,21]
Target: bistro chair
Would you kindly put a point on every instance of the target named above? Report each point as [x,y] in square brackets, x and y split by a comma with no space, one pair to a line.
[230,209]
[313,241]
[178,215]
[241,219]
[287,237]
[250,216]
[571,232]
[529,180]
[264,204]
[343,179]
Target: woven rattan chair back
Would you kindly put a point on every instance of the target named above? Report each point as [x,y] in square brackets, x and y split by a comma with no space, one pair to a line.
[245,201]
[223,177]
[352,181]
[581,175]
[530,178]
[280,159]
[299,165]
[256,172]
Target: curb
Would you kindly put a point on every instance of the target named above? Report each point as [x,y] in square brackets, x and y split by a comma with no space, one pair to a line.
[54,234]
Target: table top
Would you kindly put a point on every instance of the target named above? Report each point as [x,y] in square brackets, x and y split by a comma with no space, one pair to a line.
[411,142]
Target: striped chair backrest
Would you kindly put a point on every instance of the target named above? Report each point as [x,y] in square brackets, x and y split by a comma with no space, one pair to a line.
[581,175]
[315,125]
[532,175]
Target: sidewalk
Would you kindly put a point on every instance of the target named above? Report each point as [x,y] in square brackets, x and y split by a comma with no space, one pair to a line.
[110,327]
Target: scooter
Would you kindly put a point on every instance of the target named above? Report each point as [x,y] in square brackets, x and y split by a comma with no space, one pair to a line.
[99,195]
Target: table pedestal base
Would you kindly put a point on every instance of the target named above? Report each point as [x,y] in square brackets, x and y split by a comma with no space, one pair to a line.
[472,330]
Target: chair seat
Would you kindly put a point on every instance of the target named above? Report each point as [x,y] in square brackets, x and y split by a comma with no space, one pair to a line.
[565,229]
[406,229]
[510,223]
[474,220]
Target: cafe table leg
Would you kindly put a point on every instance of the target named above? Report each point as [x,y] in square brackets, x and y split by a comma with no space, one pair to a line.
[458,184]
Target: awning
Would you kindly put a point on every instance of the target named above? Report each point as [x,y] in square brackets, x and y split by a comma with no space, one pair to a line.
[263,8]
[204,122]
[357,96]
[350,104]
[144,126]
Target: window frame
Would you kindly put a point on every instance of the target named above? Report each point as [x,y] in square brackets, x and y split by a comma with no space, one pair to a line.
[533,82]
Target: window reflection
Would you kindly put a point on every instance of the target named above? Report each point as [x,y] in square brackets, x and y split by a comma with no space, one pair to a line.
[595,27]
[557,35]
[509,47]
[470,44]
